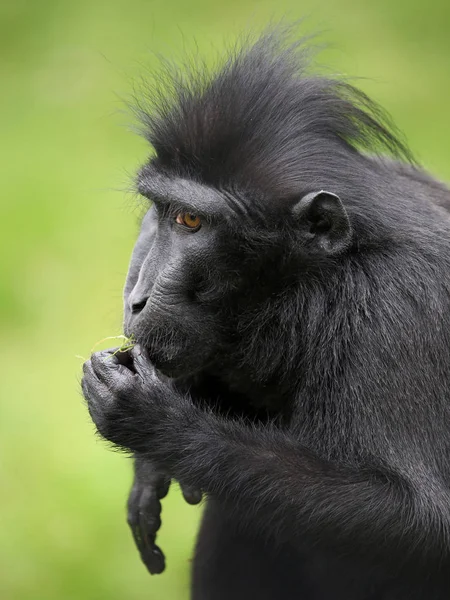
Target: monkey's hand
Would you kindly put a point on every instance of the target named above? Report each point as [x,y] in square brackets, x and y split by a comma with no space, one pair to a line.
[150,486]
[128,401]
[135,408]
[144,517]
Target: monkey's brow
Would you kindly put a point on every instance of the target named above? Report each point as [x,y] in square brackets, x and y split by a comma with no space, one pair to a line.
[184,193]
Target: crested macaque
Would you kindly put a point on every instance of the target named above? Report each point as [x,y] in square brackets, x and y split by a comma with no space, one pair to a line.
[289,292]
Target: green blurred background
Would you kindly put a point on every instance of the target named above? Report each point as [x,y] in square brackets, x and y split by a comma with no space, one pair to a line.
[67,229]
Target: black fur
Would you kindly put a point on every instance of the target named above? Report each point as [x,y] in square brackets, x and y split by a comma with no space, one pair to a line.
[261,120]
[303,333]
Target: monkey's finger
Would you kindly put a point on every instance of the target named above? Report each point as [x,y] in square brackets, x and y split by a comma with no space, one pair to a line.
[151,555]
[109,369]
[142,364]
[91,385]
[156,479]
[191,495]
[162,486]
[154,559]
[149,512]
[87,368]
[144,509]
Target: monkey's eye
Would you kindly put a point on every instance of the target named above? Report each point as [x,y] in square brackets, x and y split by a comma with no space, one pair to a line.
[189,220]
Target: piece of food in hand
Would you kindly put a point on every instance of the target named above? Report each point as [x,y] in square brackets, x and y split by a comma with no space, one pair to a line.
[127,344]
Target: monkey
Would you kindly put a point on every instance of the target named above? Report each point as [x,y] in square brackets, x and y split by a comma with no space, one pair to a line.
[289,293]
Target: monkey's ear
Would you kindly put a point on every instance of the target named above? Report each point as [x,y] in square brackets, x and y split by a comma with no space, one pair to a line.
[323,221]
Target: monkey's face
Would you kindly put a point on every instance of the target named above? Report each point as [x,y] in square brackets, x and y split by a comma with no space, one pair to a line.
[206,261]
[178,290]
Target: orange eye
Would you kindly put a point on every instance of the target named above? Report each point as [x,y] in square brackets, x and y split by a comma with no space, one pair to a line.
[189,220]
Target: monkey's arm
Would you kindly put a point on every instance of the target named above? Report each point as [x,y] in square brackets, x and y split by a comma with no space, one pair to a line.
[266,477]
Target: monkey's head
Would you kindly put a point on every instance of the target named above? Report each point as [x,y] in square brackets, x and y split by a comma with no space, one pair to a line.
[207,264]
[251,192]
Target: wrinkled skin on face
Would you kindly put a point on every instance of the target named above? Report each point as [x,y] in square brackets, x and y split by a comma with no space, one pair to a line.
[192,294]
[168,272]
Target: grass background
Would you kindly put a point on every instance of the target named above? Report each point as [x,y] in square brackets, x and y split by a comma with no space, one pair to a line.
[67,230]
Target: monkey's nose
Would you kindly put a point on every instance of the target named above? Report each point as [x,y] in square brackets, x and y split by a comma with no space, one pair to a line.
[136,307]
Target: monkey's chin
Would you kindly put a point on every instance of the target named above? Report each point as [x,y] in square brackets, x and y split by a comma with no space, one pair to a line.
[174,367]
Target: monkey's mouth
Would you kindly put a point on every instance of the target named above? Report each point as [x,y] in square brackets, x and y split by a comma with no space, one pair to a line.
[173,354]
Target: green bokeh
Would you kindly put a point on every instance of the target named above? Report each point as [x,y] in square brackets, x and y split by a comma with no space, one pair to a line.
[67,229]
